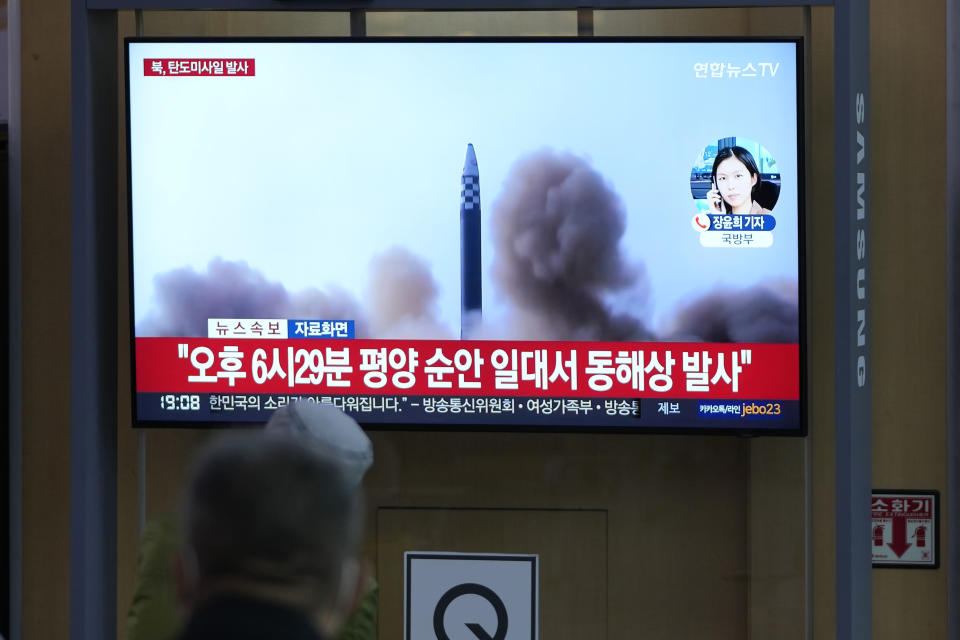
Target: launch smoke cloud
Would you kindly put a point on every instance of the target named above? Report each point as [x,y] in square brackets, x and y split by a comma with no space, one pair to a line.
[764,313]
[401,291]
[557,228]
[402,298]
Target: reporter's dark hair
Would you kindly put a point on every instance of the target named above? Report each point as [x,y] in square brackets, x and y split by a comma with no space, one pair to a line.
[265,507]
[743,156]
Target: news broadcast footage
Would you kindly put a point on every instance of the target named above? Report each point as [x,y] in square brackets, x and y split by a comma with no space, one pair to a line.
[514,234]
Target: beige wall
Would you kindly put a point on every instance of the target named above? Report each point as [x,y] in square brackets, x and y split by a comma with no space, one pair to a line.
[909,294]
[45,112]
[746,577]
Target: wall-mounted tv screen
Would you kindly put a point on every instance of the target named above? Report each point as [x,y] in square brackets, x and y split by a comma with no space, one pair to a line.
[529,234]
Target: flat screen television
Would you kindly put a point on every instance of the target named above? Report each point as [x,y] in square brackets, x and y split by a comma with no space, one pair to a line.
[522,234]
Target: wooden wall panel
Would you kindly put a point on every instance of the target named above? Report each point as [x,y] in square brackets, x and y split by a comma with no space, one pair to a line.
[677,512]
[245,23]
[776,540]
[571,545]
[908,85]
[45,190]
[666,22]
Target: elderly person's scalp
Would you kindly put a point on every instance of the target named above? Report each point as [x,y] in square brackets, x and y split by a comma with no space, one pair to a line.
[264,509]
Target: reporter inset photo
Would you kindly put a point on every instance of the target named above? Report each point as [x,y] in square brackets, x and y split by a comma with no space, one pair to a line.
[735,176]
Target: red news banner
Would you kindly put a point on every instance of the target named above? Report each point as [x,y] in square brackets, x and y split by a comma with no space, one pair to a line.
[199,67]
[469,368]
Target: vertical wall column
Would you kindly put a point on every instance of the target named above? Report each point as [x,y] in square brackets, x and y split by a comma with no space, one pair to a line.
[93,322]
[952,503]
[852,323]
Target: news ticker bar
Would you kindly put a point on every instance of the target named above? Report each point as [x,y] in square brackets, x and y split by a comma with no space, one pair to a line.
[618,413]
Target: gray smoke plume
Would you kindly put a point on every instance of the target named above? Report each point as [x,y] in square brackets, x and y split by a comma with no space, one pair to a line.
[186,299]
[762,313]
[402,297]
[557,227]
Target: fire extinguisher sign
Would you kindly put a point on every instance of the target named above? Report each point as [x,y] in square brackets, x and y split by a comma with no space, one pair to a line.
[904,531]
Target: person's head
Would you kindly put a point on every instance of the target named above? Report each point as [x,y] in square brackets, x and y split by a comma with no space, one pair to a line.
[268,517]
[329,430]
[736,176]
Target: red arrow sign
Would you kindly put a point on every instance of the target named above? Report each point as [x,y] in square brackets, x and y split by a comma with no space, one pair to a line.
[899,545]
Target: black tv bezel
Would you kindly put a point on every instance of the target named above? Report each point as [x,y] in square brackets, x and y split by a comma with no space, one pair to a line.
[800,430]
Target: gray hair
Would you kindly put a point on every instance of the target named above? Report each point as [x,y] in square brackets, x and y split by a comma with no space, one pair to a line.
[329,429]
[262,507]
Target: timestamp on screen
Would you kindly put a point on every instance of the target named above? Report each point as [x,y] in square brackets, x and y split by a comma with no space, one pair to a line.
[180,402]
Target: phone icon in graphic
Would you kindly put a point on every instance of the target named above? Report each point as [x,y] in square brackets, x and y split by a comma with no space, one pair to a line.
[701,222]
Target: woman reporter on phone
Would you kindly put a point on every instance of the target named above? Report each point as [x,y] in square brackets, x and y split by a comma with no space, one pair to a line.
[735,182]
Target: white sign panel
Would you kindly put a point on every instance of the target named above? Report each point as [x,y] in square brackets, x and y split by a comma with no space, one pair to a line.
[459,596]
[904,529]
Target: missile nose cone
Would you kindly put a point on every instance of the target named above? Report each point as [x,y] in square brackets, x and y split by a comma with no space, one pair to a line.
[470,163]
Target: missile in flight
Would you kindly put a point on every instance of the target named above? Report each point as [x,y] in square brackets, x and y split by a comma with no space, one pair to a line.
[471,292]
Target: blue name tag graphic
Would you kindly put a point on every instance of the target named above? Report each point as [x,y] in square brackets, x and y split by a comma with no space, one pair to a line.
[328,329]
[734,222]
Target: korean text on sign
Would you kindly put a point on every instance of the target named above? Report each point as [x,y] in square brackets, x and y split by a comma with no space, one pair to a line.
[225,67]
